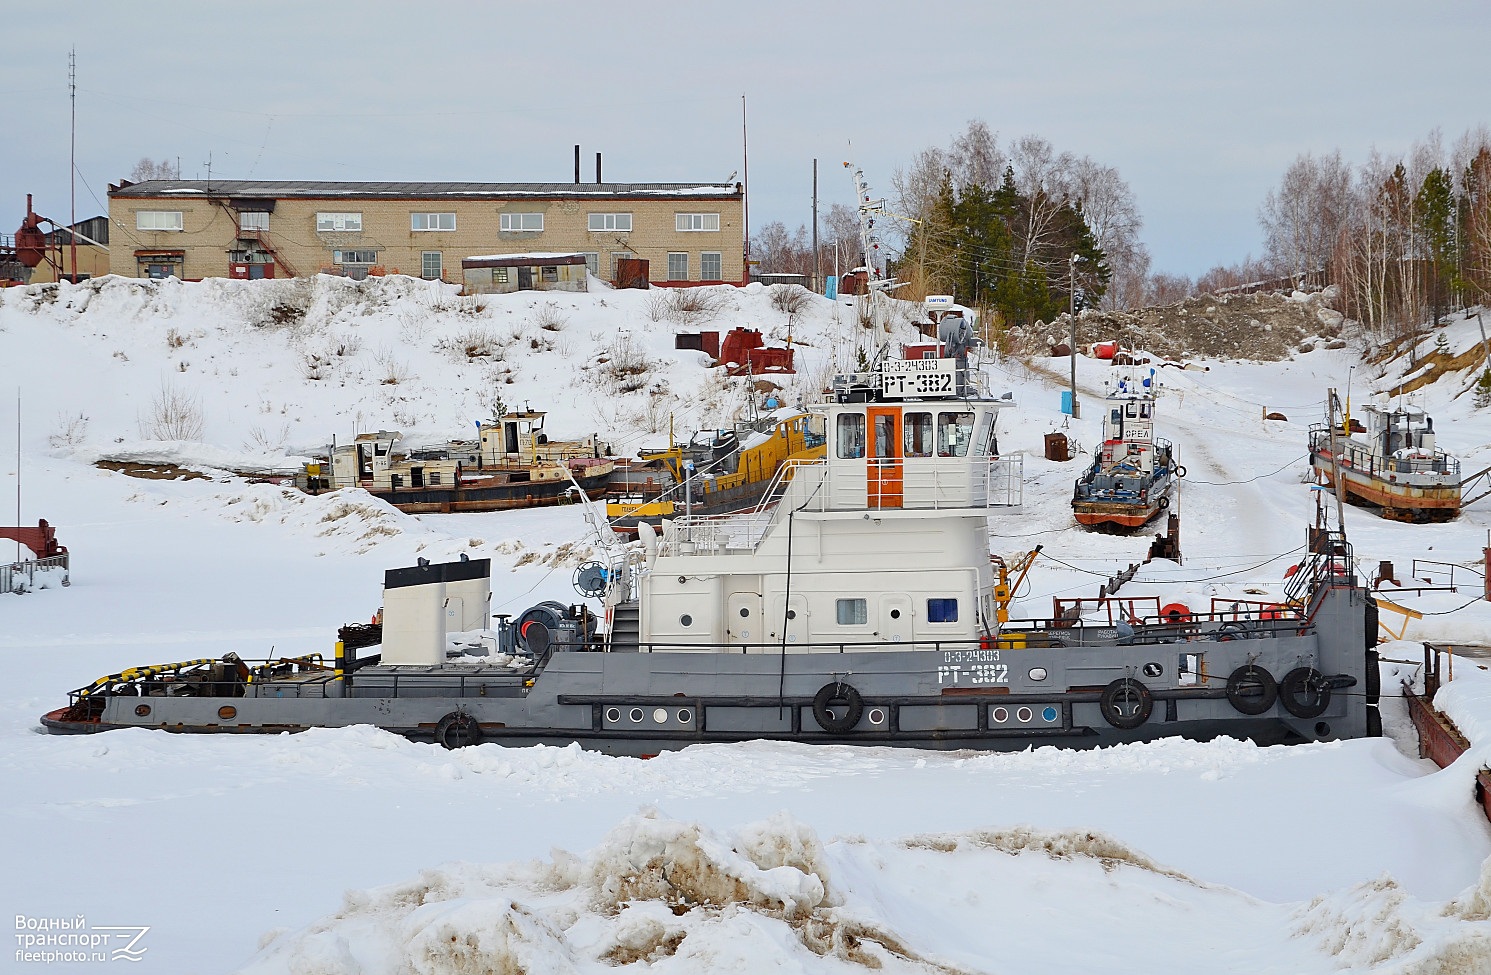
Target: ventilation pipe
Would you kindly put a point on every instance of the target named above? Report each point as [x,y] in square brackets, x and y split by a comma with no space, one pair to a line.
[577,164]
[597,167]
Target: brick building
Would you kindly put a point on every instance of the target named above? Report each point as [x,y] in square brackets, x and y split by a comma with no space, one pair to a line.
[689,234]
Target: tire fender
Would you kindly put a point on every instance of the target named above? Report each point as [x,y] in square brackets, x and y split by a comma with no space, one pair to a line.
[1252,689]
[1304,693]
[457,730]
[1126,704]
[837,695]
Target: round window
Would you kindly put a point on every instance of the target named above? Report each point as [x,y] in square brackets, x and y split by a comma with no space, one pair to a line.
[686,620]
[685,716]
[744,611]
[792,614]
[636,714]
[613,715]
[227,711]
[659,715]
[142,709]
[895,614]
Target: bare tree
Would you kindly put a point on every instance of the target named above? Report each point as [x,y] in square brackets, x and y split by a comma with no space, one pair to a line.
[1109,210]
[783,251]
[975,158]
[1043,178]
[1167,289]
[148,168]
[1304,217]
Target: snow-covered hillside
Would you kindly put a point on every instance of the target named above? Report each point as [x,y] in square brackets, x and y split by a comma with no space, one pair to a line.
[357,851]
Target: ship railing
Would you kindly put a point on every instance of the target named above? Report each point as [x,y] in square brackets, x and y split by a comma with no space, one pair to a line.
[21,576]
[1330,563]
[1145,620]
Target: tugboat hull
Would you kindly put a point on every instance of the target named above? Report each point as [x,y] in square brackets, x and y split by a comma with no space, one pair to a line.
[1399,501]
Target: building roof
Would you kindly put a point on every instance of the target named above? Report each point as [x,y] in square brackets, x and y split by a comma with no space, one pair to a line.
[522,260]
[323,189]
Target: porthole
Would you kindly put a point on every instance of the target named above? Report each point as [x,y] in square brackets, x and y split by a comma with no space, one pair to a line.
[686,620]
[1024,715]
[685,716]
[895,614]
[1048,713]
[1037,673]
[1000,715]
[636,715]
[792,614]
[142,709]
[744,612]
[1322,729]
[613,715]
[227,711]
[660,716]
[877,716]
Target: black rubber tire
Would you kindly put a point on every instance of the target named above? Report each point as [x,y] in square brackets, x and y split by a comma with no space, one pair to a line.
[1180,471]
[842,695]
[457,730]
[1373,682]
[1304,693]
[1370,630]
[1252,690]
[1126,704]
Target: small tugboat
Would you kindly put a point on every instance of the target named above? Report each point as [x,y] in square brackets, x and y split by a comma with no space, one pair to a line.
[512,464]
[1394,462]
[1133,475]
[715,472]
[862,609]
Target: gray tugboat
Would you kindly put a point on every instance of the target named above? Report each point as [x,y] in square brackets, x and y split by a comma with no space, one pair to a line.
[861,609]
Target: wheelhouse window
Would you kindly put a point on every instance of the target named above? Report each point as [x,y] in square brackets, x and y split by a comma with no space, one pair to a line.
[918,435]
[512,223]
[849,435]
[851,612]
[432,221]
[621,222]
[678,267]
[954,432]
[943,610]
[158,220]
[329,223]
[711,266]
[696,222]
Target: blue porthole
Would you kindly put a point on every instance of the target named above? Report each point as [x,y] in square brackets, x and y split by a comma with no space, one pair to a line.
[1048,713]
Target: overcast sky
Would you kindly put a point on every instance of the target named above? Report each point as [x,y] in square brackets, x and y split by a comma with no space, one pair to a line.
[1200,105]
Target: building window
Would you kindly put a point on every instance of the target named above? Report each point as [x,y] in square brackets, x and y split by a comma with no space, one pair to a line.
[678,267]
[616,258]
[354,257]
[711,266]
[433,480]
[697,221]
[549,274]
[339,223]
[593,263]
[851,612]
[158,220]
[942,610]
[253,220]
[851,435]
[499,275]
[432,221]
[611,221]
[518,222]
[430,265]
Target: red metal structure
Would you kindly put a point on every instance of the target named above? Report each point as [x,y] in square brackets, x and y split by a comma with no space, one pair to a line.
[29,247]
[42,539]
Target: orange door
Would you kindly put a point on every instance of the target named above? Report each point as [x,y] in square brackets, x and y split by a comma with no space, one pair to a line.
[883,472]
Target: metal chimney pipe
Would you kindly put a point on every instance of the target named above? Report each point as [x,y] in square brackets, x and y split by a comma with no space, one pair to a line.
[597,167]
[577,164]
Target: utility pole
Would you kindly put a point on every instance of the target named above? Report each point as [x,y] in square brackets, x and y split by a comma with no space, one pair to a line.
[816,276]
[1076,411]
[72,161]
[745,190]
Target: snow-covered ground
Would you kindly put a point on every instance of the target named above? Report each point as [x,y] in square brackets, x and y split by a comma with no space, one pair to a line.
[357,851]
